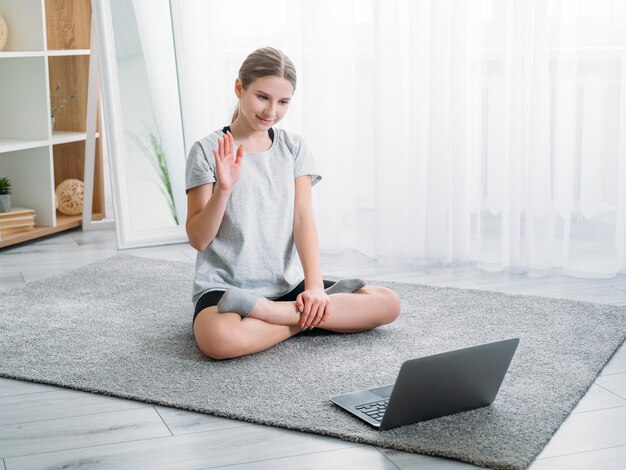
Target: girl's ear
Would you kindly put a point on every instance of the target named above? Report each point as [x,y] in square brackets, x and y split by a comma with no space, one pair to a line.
[238,87]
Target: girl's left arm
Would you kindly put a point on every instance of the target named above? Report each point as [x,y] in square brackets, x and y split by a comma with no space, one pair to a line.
[313,303]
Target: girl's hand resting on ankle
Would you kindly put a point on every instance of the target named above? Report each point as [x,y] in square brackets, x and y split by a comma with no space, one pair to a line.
[314,308]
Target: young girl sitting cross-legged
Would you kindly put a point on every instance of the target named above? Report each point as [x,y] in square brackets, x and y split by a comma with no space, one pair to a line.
[258,279]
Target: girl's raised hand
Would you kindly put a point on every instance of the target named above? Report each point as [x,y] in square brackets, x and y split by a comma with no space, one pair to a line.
[227,165]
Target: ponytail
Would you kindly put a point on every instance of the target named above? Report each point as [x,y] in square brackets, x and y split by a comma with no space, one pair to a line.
[235,114]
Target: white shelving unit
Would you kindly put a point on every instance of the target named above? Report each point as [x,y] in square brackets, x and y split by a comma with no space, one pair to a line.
[48,44]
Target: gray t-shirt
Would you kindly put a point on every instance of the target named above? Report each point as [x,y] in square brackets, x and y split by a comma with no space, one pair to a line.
[254,247]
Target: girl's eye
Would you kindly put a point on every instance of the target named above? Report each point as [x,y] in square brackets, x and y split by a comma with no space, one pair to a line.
[284,102]
[261,97]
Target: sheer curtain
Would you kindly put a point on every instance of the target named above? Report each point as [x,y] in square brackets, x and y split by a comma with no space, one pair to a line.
[447,131]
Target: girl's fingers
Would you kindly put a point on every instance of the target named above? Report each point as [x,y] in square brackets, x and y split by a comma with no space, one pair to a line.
[322,313]
[218,161]
[308,317]
[304,318]
[239,155]
[315,311]
[326,313]
[220,147]
[317,318]
[229,143]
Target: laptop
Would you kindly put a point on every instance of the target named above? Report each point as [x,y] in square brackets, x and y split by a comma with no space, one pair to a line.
[434,386]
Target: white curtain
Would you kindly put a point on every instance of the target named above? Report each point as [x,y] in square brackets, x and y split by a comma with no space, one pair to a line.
[447,131]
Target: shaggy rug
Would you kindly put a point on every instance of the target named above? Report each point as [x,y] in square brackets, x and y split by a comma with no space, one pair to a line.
[122,327]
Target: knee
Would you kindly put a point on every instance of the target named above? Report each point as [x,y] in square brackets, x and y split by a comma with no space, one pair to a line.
[218,343]
[391,305]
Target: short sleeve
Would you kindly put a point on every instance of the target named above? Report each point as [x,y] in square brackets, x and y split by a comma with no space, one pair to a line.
[304,163]
[200,167]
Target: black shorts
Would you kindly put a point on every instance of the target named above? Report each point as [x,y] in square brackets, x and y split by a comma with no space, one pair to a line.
[210,299]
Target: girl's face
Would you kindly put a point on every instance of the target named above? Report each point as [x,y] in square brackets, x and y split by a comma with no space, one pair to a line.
[264,102]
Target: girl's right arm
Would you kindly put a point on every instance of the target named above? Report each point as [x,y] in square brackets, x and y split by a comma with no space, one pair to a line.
[205,210]
[206,203]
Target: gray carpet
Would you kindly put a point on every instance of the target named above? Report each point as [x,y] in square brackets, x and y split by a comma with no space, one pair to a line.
[122,327]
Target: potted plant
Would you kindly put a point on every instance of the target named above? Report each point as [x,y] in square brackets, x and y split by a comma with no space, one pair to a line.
[5,194]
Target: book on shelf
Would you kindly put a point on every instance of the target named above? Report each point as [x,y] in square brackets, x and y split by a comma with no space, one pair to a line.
[16,221]
[16,212]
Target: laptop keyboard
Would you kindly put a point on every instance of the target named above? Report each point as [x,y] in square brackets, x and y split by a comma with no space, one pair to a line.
[374,410]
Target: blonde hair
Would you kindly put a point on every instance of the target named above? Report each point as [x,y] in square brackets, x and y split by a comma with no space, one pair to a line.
[265,62]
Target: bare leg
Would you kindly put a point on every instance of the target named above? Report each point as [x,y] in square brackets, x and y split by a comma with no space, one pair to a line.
[367,308]
[227,335]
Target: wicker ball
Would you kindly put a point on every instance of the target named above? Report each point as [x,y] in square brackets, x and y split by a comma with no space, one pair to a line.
[70,194]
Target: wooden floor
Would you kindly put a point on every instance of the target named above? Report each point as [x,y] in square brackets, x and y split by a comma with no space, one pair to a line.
[50,427]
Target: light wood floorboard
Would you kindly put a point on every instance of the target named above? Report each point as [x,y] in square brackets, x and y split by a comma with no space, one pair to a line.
[182,422]
[356,458]
[43,426]
[598,398]
[611,458]
[588,431]
[81,431]
[408,461]
[614,382]
[190,451]
[60,403]
[17,387]
[617,364]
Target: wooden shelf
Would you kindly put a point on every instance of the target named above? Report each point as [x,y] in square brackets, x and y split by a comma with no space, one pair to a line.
[72,74]
[58,137]
[65,137]
[18,54]
[49,44]
[66,52]
[64,222]
[68,24]
[13,145]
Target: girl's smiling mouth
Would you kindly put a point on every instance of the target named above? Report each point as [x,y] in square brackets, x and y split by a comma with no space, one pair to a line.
[265,121]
